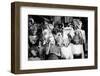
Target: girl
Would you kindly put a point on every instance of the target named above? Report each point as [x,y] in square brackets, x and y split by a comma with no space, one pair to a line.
[66,48]
[78,40]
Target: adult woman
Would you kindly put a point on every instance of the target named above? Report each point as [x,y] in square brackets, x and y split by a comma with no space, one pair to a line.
[78,40]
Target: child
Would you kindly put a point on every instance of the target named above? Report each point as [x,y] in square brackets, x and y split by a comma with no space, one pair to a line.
[78,40]
[66,48]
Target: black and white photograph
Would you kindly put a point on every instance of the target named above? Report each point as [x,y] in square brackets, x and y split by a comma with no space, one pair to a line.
[53,37]
[57,37]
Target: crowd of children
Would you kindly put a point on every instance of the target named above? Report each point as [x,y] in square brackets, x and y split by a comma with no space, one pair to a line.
[52,40]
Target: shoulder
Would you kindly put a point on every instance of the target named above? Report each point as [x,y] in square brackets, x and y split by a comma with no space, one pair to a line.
[82,31]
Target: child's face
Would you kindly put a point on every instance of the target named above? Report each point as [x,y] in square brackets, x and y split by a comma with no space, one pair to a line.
[51,26]
[80,25]
[33,39]
[59,38]
[77,23]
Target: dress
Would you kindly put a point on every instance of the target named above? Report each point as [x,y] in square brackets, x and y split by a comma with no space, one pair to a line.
[66,50]
[77,46]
